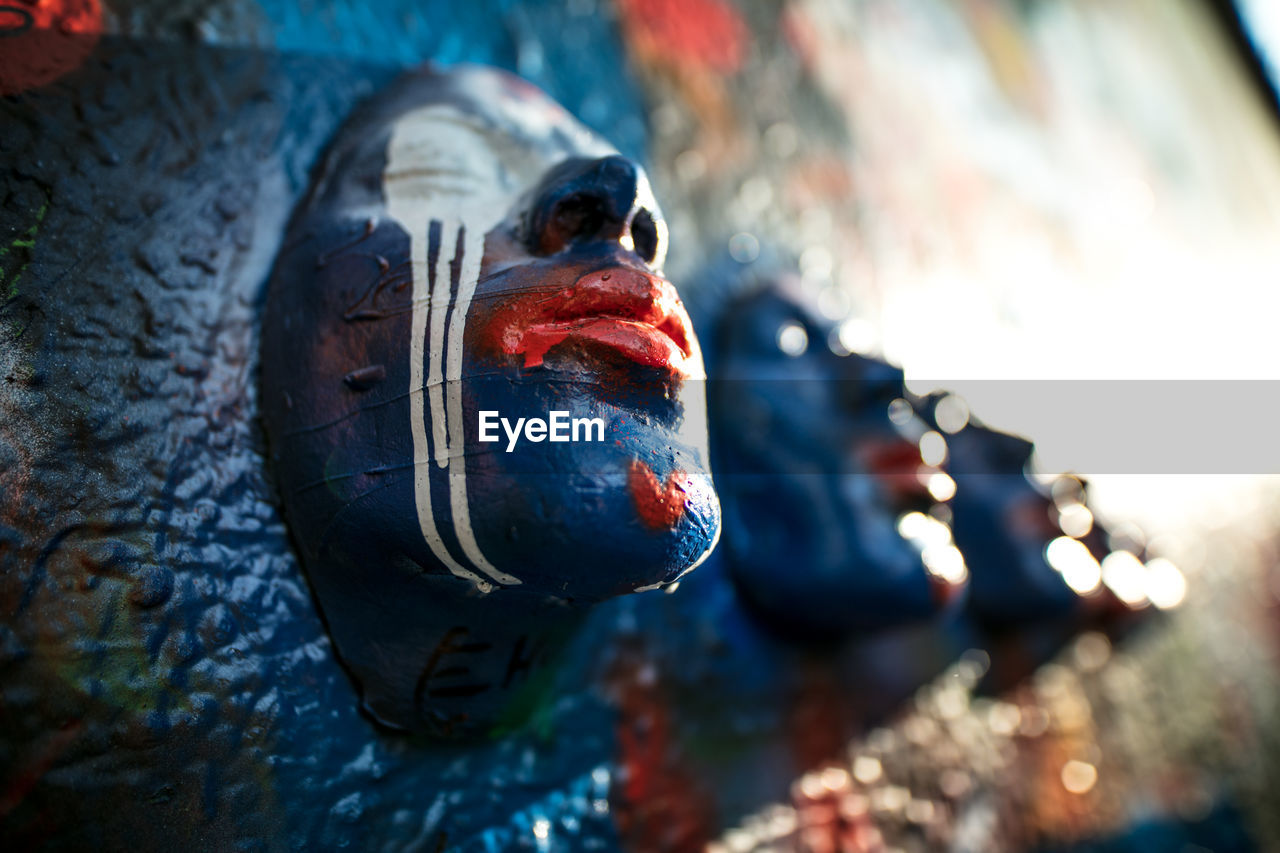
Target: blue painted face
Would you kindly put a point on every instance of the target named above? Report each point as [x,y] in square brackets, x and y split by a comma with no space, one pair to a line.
[1006,528]
[814,478]
[1002,523]
[477,384]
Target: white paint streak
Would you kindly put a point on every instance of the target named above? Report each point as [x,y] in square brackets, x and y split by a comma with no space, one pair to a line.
[421,451]
[441,167]
[439,307]
[469,276]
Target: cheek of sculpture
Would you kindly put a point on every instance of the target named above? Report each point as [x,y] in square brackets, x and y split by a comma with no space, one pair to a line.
[335,376]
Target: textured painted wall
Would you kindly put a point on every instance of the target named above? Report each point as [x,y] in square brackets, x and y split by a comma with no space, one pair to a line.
[166,677]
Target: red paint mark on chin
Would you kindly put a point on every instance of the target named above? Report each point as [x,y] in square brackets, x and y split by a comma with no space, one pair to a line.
[659,507]
[43,40]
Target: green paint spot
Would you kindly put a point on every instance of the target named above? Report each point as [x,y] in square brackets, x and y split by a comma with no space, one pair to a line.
[21,249]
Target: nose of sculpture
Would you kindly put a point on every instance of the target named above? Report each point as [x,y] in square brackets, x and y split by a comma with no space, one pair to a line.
[585,201]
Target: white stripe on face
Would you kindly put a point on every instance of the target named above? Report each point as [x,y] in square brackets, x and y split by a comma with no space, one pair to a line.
[440,168]
[439,306]
[417,422]
[469,275]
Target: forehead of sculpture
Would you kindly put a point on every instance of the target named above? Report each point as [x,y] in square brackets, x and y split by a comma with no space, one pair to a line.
[467,139]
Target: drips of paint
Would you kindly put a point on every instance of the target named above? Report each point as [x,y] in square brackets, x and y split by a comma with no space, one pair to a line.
[440,168]
[659,507]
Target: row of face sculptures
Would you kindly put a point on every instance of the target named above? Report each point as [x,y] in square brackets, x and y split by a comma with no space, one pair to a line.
[469,259]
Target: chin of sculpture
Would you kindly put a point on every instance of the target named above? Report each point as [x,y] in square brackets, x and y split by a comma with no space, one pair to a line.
[468,248]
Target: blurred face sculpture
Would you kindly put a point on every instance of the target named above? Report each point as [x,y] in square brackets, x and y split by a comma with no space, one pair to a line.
[1003,524]
[470,261]
[814,478]
[1027,569]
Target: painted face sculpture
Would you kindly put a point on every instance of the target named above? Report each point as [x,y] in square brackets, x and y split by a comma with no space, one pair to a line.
[814,478]
[477,390]
[1026,567]
[1002,523]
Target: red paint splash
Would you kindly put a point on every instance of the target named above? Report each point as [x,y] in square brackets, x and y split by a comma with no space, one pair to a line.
[706,34]
[659,507]
[41,40]
[659,803]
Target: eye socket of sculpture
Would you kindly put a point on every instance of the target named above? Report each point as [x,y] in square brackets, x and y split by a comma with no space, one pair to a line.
[472,245]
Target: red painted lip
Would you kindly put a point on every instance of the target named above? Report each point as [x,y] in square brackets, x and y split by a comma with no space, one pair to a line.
[631,312]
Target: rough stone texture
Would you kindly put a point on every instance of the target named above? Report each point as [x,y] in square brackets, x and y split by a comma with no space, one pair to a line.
[166,675]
